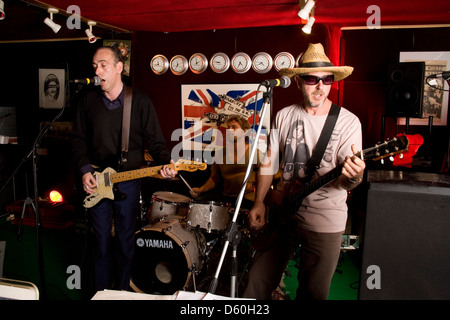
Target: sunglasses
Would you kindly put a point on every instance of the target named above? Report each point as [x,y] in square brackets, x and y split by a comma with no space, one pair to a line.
[313,80]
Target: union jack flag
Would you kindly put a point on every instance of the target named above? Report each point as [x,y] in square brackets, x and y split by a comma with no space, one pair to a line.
[205,108]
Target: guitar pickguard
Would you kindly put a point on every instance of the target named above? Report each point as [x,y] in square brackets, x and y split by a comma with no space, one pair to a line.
[104,188]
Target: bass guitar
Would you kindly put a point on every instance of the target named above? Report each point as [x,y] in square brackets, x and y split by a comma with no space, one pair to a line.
[285,204]
[108,177]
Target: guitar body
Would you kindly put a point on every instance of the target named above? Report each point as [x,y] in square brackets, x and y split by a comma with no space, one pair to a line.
[104,188]
[278,212]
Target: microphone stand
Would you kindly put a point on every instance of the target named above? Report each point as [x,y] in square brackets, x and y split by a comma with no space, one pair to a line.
[33,154]
[232,234]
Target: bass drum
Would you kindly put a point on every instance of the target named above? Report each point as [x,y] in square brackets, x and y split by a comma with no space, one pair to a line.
[166,255]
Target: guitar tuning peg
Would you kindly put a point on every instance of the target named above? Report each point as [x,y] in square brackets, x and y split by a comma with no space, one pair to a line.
[382,161]
[391,158]
[400,155]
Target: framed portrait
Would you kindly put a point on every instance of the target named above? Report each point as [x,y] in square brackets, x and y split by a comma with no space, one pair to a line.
[52,88]
[206,107]
[435,97]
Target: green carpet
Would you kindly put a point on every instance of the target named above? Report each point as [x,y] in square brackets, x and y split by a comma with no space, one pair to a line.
[344,285]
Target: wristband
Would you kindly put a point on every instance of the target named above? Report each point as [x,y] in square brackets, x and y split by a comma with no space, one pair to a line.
[357,180]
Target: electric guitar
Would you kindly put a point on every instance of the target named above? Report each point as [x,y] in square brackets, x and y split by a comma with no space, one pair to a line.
[108,177]
[285,204]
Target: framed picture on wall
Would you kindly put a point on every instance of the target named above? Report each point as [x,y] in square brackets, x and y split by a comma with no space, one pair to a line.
[435,95]
[52,88]
[125,49]
[206,107]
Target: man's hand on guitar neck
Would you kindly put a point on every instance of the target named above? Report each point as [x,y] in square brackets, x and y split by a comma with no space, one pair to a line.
[352,170]
[167,172]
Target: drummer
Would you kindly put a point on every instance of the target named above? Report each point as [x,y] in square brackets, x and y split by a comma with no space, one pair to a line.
[225,182]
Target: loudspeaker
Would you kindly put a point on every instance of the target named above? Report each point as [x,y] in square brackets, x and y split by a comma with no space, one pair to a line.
[406,242]
[405,89]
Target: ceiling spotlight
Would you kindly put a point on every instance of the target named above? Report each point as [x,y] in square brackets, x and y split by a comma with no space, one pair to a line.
[308,26]
[49,21]
[89,34]
[304,13]
[2,10]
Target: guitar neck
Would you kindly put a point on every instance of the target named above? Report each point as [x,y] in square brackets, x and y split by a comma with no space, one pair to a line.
[137,174]
[315,184]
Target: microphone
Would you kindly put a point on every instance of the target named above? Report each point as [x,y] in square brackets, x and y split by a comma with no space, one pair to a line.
[283,82]
[445,75]
[95,81]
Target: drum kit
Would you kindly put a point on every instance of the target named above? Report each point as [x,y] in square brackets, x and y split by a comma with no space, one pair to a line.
[176,248]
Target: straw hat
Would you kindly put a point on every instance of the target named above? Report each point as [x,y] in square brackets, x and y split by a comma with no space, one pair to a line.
[314,59]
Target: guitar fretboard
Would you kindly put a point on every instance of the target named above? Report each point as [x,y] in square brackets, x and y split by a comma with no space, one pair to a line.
[136,174]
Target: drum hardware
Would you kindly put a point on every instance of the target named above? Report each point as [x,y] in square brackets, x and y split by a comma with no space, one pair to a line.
[234,263]
[166,229]
[194,272]
[184,245]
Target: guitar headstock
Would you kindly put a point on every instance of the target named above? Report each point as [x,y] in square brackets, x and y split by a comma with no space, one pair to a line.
[188,165]
[388,148]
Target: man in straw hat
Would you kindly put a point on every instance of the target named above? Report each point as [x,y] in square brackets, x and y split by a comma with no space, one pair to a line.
[320,220]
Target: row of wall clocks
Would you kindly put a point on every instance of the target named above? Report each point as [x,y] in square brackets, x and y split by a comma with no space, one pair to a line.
[241,62]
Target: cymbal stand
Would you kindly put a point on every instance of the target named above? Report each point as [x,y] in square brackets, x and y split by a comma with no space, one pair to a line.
[232,229]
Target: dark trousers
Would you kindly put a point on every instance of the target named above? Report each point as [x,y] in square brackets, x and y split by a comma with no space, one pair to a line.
[113,259]
[319,255]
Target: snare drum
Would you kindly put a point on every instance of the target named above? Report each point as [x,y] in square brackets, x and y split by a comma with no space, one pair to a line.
[165,257]
[167,205]
[208,216]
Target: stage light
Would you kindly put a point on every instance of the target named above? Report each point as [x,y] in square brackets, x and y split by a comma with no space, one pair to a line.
[304,13]
[2,10]
[308,26]
[49,21]
[89,33]
[55,196]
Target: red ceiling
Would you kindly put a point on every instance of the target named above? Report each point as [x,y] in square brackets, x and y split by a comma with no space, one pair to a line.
[190,15]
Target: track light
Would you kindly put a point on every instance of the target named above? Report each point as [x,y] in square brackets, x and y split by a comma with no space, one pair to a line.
[49,21]
[308,26]
[89,33]
[2,10]
[304,13]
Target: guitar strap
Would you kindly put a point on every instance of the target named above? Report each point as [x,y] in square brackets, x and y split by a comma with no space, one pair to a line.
[316,157]
[126,124]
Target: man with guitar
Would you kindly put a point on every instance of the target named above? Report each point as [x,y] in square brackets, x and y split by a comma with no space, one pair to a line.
[100,142]
[317,222]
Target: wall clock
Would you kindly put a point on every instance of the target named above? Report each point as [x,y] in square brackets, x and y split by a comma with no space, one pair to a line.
[198,63]
[241,62]
[220,62]
[283,60]
[159,64]
[262,62]
[178,65]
